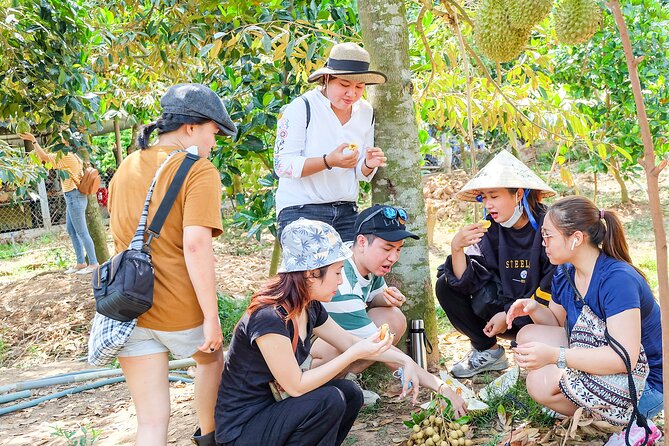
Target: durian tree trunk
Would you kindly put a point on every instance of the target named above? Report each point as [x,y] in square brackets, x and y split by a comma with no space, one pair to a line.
[96,227]
[385,35]
[613,163]
[118,150]
[276,258]
[652,177]
[624,194]
[133,140]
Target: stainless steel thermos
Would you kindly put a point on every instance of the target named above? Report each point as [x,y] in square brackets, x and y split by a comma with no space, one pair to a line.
[417,343]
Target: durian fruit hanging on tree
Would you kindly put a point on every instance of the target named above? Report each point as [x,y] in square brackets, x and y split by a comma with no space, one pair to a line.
[494,35]
[524,14]
[576,21]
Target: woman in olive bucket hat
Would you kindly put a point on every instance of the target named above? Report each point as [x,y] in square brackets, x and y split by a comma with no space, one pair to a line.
[325,144]
[496,261]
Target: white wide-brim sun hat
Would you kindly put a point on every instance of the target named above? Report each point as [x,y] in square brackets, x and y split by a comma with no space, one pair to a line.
[504,171]
[349,61]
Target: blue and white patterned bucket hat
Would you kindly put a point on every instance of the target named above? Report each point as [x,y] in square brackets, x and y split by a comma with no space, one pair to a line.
[310,244]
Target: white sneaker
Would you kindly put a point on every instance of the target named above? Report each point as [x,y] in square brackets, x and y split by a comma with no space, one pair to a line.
[89,269]
[73,270]
[476,362]
[370,398]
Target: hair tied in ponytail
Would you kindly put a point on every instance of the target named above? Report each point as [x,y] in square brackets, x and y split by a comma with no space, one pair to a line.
[601,213]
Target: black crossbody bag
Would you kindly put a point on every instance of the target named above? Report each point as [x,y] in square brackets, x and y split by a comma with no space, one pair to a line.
[123,285]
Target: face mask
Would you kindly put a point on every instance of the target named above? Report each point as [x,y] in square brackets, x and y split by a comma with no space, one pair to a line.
[517,213]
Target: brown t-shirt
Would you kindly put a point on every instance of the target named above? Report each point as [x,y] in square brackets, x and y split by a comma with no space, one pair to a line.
[175,305]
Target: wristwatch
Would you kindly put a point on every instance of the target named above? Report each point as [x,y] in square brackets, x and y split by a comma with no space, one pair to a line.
[562,359]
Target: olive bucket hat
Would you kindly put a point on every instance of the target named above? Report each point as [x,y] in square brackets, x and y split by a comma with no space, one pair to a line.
[310,244]
[198,101]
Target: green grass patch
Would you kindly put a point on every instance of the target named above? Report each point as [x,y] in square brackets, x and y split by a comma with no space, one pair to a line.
[84,437]
[649,266]
[237,242]
[443,324]
[517,403]
[639,230]
[230,310]
[376,377]
[3,351]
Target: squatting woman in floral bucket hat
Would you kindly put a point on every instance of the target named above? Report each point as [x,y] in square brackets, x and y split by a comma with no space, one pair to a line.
[496,261]
[267,374]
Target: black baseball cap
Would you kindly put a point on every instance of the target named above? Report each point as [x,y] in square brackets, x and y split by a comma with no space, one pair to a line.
[383,221]
[199,101]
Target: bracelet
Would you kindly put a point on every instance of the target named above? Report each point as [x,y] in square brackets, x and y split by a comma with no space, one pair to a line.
[365,163]
[325,161]
[439,388]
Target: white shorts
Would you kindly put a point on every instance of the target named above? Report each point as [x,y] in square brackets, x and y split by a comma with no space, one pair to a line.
[145,341]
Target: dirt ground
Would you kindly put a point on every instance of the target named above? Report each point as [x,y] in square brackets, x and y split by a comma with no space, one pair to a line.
[45,319]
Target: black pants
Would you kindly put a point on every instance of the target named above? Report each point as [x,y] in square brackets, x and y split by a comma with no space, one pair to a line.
[322,417]
[458,309]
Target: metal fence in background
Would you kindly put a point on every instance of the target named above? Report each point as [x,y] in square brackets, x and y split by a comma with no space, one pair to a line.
[44,207]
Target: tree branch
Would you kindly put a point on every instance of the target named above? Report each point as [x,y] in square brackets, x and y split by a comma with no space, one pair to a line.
[428,50]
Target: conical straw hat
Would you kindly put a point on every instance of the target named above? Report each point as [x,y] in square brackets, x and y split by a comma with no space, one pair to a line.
[504,171]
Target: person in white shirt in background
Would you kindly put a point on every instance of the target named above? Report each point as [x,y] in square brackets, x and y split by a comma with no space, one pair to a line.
[325,144]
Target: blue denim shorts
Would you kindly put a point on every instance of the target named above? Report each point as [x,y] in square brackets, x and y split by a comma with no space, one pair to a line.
[651,402]
[340,215]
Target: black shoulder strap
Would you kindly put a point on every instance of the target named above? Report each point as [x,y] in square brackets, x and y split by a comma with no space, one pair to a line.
[306,103]
[170,196]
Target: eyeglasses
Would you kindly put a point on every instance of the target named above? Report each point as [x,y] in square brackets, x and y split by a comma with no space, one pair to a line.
[389,213]
[545,235]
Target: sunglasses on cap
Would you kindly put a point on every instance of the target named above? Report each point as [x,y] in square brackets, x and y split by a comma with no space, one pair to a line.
[389,213]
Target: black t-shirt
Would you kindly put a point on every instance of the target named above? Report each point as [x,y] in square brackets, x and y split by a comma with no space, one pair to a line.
[244,389]
[515,256]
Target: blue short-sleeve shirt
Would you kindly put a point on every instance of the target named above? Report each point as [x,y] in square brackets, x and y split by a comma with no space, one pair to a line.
[616,287]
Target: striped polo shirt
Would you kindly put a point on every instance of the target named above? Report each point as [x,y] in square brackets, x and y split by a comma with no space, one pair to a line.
[71,164]
[349,307]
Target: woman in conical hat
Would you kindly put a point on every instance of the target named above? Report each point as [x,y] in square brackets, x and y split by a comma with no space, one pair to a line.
[496,261]
[325,144]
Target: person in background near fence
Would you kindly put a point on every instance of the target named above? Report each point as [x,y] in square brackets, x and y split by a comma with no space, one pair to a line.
[591,244]
[364,302]
[184,317]
[269,393]
[495,261]
[325,144]
[75,205]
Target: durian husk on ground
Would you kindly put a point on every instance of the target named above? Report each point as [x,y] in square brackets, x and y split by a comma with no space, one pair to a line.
[576,21]
[524,14]
[494,35]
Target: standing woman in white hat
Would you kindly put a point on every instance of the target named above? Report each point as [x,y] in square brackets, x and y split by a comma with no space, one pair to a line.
[496,261]
[325,144]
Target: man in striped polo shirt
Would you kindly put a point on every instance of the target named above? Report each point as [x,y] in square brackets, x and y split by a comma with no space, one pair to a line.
[364,301]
